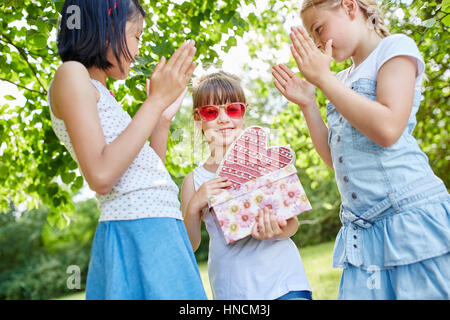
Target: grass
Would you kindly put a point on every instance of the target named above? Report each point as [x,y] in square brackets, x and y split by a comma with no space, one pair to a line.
[317,261]
[324,280]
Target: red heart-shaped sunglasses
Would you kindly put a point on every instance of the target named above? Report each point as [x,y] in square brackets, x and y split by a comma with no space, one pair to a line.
[235,110]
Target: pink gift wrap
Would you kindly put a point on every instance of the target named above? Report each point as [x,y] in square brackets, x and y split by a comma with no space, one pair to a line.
[235,210]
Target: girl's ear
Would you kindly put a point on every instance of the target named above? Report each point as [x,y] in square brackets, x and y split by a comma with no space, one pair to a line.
[198,124]
[197,116]
[350,7]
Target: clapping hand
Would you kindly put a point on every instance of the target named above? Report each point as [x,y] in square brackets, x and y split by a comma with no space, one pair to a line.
[170,112]
[292,87]
[169,80]
[313,63]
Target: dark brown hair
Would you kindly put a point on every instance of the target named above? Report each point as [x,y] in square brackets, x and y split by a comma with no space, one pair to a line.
[89,43]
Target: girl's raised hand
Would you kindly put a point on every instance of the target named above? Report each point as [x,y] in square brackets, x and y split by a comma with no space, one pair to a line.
[312,62]
[170,112]
[292,87]
[268,226]
[170,79]
[172,109]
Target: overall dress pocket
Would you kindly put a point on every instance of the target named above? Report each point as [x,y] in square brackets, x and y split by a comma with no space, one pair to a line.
[366,88]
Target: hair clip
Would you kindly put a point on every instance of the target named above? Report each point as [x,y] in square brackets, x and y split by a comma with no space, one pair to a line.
[115,7]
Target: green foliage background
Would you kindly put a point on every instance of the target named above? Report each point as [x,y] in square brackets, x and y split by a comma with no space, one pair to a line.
[34,256]
[35,167]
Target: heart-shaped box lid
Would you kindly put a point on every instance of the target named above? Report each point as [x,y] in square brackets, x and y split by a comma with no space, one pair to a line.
[250,157]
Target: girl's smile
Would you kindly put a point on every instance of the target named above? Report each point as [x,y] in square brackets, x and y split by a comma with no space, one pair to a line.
[225,131]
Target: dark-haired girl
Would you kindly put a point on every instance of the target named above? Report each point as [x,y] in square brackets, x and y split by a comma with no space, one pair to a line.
[141,249]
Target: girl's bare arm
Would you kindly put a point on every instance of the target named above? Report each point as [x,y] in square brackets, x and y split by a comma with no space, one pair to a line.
[74,100]
[191,214]
[102,164]
[382,121]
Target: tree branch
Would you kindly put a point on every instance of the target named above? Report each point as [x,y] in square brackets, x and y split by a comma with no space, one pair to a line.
[23,53]
[23,87]
[446,14]
[35,54]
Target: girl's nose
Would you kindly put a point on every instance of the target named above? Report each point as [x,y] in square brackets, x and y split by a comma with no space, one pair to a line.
[318,44]
[223,117]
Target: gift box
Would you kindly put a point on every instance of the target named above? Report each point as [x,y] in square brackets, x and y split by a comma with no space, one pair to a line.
[262,177]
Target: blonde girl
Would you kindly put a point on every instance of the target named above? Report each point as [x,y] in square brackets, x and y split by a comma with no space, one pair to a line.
[395,238]
[265,265]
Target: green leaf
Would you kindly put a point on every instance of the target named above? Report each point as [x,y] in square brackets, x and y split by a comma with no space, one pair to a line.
[61,222]
[68,177]
[446,21]
[53,190]
[9,97]
[4,171]
[445,5]
[231,42]
[52,218]
[37,41]
[72,165]
[56,201]
[144,60]
[429,23]
[78,183]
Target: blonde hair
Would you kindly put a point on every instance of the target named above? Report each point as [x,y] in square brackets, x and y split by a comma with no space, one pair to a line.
[370,9]
[217,88]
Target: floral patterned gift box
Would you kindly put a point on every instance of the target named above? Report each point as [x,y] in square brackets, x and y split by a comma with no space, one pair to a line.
[236,209]
[262,177]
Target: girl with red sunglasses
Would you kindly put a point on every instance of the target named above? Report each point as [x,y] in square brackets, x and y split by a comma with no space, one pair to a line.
[266,265]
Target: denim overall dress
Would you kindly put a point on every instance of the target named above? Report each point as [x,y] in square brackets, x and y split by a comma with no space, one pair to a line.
[395,237]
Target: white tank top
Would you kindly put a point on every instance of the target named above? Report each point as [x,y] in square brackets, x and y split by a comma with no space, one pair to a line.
[250,269]
[146,189]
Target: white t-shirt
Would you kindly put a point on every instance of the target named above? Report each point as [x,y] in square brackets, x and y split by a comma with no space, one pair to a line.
[250,269]
[390,47]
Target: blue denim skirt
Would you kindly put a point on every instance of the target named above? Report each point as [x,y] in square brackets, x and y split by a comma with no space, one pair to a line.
[424,280]
[143,259]
[402,256]
[296,295]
